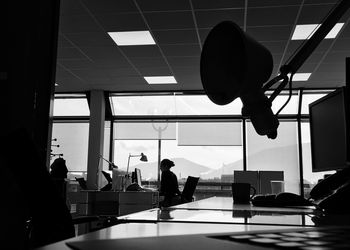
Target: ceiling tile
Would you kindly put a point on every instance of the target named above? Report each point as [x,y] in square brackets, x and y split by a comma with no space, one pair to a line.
[143,62]
[69,53]
[121,22]
[208,19]
[153,71]
[337,68]
[90,39]
[63,74]
[274,33]
[129,80]
[342,45]
[271,3]
[307,68]
[72,84]
[107,55]
[121,72]
[181,50]
[69,7]
[188,61]
[319,12]
[141,51]
[217,4]
[105,6]
[163,5]
[345,32]
[336,57]
[78,23]
[333,79]
[89,75]
[77,64]
[63,42]
[272,16]
[320,1]
[170,20]
[175,36]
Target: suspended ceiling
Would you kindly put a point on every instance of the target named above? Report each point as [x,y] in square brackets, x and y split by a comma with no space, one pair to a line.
[89,59]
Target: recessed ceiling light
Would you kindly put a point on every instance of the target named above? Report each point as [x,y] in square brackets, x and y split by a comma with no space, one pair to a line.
[298,77]
[56,84]
[160,79]
[305,31]
[128,38]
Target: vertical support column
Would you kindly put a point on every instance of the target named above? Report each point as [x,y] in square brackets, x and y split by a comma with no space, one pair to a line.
[96,137]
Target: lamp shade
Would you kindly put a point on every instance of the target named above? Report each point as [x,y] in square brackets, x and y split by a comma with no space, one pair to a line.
[235,65]
[232,63]
[143,157]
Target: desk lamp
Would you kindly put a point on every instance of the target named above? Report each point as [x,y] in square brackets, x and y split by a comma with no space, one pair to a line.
[143,158]
[111,164]
[234,65]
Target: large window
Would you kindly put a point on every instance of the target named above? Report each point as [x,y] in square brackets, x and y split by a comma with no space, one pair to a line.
[70,105]
[205,149]
[72,139]
[280,154]
[171,105]
[202,138]
[70,132]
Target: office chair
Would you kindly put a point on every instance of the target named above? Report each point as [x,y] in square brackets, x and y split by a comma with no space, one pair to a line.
[189,189]
[46,218]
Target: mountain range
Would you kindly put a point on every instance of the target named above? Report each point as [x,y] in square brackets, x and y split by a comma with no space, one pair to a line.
[183,167]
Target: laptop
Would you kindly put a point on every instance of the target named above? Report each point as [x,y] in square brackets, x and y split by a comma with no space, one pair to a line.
[139,181]
[295,238]
[107,176]
[82,182]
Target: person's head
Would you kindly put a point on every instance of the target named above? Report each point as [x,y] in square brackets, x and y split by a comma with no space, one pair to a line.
[59,168]
[166,164]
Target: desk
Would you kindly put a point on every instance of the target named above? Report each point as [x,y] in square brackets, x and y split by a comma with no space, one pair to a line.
[138,230]
[222,210]
[226,203]
[94,202]
[213,215]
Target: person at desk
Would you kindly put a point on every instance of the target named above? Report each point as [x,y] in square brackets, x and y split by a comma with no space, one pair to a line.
[58,175]
[169,187]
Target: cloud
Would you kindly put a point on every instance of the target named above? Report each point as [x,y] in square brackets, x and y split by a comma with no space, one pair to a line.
[136,148]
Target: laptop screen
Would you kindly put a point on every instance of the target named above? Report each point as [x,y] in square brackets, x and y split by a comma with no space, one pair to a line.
[138,176]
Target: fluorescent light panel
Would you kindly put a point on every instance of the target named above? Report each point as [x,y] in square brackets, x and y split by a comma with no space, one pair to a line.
[129,38]
[160,79]
[305,31]
[298,77]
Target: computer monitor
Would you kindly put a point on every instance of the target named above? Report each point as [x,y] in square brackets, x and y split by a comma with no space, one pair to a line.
[138,176]
[330,131]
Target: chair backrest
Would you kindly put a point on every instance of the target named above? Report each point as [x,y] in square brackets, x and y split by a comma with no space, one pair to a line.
[189,188]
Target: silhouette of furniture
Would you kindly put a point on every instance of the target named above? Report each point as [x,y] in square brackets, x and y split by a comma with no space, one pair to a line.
[112,203]
[186,195]
[44,215]
[189,189]
[260,180]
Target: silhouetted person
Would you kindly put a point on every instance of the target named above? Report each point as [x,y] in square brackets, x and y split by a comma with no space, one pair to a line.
[169,186]
[36,196]
[59,169]
[58,175]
